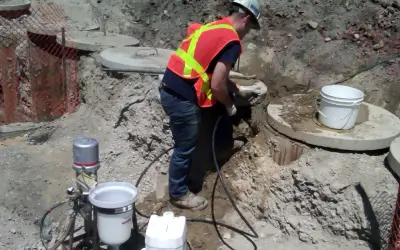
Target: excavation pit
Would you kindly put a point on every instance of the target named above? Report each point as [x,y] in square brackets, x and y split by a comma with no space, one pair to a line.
[284,151]
[39,76]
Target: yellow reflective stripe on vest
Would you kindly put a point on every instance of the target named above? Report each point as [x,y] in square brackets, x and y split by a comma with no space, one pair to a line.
[195,38]
[193,64]
[209,27]
[201,27]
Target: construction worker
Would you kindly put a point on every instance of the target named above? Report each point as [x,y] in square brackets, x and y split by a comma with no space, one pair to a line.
[196,78]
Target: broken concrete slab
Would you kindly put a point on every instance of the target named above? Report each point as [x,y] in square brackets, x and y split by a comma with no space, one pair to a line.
[377,132]
[96,41]
[139,59]
[394,156]
[17,129]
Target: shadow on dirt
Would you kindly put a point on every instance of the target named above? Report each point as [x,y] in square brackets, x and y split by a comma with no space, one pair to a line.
[378,211]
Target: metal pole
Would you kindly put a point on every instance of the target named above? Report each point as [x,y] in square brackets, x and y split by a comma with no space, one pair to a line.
[64,68]
[71,234]
[95,232]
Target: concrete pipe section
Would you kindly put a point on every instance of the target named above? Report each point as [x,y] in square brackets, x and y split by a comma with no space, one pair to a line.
[377,131]
[48,19]
[14,5]
[11,9]
[394,156]
[138,59]
[80,16]
[96,41]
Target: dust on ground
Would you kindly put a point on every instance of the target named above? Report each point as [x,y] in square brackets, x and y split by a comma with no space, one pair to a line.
[200,235]
[300,111]
[324,199]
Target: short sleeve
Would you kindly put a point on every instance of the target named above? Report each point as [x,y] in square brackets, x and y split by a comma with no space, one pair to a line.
[230,53]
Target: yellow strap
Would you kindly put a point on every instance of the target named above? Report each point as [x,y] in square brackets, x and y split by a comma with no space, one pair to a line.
[195,38]
[191,63]
[207,27]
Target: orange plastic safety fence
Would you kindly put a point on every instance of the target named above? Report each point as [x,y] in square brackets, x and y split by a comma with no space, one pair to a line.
[38,76]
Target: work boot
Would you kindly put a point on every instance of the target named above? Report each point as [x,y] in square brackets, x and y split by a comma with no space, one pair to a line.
[190,201]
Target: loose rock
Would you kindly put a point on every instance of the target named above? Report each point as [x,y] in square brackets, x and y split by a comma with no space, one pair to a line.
[313,24]
[251,46]
[227,236]
[379,45]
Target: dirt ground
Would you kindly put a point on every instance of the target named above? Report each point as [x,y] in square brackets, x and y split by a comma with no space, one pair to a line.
[315,199]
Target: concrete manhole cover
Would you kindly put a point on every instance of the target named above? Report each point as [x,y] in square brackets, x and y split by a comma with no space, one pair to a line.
[141,59]
[376,132]
[48,19]
[94,41]
[10,5]
[394,156]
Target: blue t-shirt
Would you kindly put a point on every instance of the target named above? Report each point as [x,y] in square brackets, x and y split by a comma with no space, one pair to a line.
[185,87]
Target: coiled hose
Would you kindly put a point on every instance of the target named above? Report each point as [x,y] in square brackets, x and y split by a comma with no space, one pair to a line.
[41,225]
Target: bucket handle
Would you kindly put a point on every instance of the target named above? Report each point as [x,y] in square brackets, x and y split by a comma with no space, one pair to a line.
[144,49]
[320,112]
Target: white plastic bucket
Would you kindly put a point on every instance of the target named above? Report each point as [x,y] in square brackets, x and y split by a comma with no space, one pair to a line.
[339,106]
[114,205]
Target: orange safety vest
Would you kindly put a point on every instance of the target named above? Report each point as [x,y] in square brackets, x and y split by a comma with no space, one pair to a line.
[196,52]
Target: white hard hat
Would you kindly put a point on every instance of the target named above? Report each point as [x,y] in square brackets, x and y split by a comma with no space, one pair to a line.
[251,6]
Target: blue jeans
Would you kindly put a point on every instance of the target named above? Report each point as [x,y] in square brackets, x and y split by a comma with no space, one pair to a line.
[185,119]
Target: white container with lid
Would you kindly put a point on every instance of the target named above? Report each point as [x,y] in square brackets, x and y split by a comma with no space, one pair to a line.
[113,202]
[166,232]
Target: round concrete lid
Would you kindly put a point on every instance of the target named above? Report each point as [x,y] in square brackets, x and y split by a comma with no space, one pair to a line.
[80,16]
[48,19]
[113,195]
[15,5]
[376,133]
[136,58]
[43,27]
[95,41]
[394,156]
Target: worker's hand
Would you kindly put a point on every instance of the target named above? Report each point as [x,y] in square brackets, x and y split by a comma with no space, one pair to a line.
[258,88]
[231,110]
